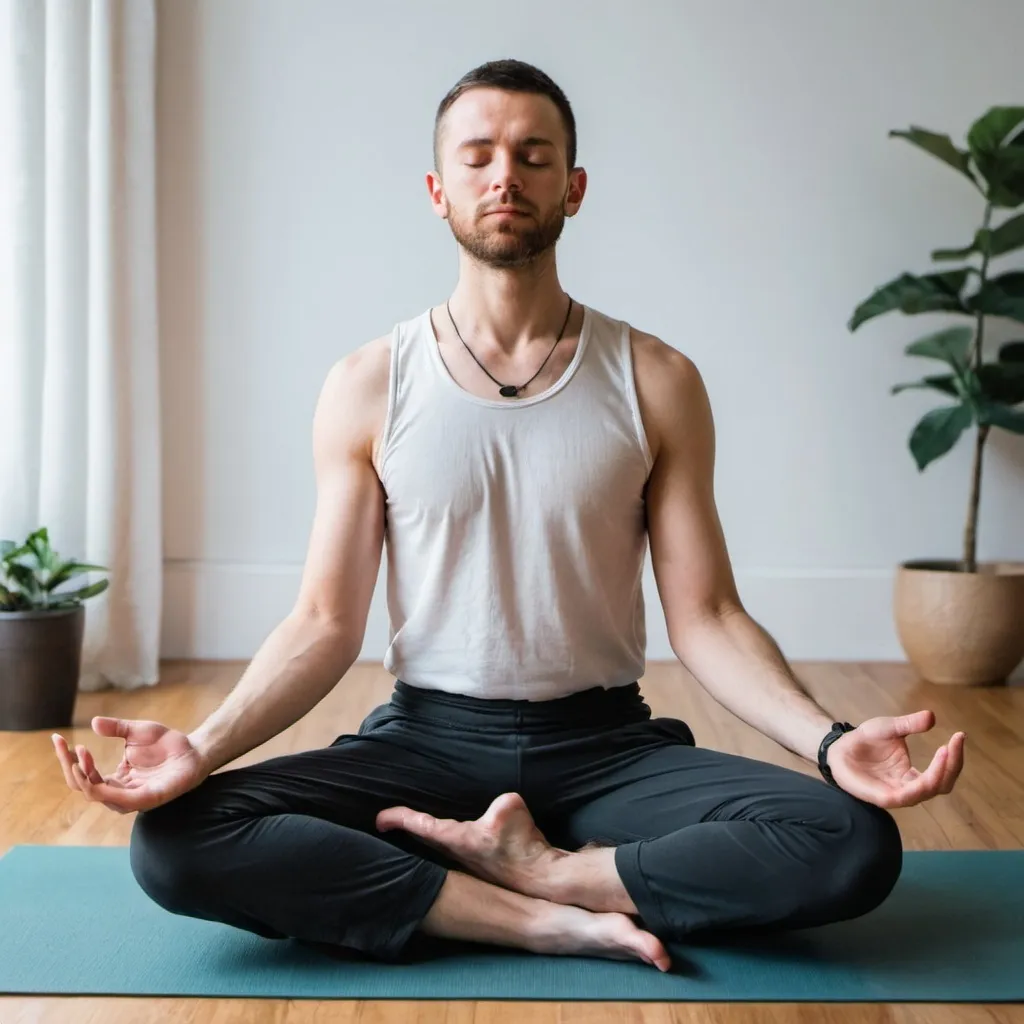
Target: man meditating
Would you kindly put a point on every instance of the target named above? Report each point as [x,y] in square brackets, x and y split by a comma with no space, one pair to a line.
[516,449]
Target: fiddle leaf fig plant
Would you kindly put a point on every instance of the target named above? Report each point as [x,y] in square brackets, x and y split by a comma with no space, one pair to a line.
[986,393]
[32,573]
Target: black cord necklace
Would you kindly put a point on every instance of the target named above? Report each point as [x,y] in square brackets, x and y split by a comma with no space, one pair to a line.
[511,390]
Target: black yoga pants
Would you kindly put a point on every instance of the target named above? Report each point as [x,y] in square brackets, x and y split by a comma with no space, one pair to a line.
[704,840]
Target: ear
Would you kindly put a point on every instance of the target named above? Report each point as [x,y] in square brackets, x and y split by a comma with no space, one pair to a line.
[575,192]
[438,200]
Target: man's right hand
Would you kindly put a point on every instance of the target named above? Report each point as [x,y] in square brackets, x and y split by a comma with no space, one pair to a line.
[158,765]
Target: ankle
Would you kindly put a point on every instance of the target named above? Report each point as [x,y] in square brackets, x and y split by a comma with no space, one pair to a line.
[590,879]
[564,882]
[549,924]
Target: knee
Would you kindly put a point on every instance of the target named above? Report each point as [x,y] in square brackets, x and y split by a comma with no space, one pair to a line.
[867,857]
[161,858]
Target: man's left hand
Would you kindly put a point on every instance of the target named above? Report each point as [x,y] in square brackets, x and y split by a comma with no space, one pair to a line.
[872,762]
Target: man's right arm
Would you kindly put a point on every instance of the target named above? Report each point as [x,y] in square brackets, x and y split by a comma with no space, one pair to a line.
[306,655]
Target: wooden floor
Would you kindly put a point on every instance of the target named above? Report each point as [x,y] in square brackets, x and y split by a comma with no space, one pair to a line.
[985,811]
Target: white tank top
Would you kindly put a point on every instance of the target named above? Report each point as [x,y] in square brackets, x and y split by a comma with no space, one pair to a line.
[515,528]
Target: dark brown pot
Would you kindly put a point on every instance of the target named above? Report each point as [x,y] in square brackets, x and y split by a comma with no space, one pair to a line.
[40,662]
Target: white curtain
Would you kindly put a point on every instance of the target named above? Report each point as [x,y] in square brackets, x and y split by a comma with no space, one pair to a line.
[79,393]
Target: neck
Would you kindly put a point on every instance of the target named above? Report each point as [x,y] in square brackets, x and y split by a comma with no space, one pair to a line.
[508,308]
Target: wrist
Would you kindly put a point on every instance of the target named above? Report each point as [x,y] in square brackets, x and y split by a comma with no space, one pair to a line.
[837,730]
[202,744]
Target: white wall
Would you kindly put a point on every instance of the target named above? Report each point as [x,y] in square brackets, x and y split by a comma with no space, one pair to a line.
[743,198]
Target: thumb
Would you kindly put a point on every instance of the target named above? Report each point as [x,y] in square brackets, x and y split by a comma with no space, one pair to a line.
[129,729]
[917,721]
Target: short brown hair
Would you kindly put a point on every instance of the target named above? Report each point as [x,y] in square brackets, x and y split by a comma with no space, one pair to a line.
[513,76]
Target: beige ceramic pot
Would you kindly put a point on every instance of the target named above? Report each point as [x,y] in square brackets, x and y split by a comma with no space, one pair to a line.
[961,628]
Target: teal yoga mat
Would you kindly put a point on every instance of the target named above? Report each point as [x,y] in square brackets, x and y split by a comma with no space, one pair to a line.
[73,921]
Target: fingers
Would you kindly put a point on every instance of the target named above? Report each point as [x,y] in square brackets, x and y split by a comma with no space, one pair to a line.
[925,786]
[82,776]
[69,759]
[954,762]
[116,798]
[941,774]
[87,764]
[66,759]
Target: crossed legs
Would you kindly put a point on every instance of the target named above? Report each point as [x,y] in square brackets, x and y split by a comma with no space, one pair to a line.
[380,835]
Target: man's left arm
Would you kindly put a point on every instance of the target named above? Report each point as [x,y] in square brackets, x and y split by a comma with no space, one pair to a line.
[731,655]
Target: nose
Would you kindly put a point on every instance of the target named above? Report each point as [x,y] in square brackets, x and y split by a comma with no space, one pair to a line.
[506,177]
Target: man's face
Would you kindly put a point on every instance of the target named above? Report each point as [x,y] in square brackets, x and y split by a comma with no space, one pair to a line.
[506,188]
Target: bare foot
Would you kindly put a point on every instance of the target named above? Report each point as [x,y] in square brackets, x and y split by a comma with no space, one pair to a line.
[503,846]
[567,930]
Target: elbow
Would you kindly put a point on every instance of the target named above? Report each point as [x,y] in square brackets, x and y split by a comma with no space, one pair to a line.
[330,631]
[690,630]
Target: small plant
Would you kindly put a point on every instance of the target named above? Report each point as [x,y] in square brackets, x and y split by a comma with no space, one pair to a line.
[31,574]
[988,393]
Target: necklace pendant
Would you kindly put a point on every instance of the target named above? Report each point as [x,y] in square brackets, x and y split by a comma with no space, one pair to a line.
[508,391]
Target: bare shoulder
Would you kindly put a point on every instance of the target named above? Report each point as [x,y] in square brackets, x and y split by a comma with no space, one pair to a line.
[353,400]
[670,390]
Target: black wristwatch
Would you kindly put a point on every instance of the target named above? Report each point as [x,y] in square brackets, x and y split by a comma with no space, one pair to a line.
[837,730]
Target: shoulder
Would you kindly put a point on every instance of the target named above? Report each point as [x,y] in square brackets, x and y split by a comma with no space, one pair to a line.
[364,368]
[670,389]
[353,399]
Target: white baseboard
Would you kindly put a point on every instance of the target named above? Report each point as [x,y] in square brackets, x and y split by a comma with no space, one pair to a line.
[225,611]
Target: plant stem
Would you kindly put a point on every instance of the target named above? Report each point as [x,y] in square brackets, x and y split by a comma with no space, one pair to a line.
[970,552]
[971,530]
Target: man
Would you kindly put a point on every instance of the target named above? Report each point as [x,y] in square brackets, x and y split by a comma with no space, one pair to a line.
[517,450]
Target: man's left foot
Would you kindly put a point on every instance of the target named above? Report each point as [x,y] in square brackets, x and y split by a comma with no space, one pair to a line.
[503,846]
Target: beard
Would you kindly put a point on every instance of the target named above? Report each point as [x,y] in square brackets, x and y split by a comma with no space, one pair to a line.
[506,244]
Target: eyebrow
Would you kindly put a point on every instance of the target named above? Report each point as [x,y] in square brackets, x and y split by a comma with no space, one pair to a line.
[533,140]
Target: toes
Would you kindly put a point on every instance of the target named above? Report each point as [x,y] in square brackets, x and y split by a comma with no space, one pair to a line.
[654,952]
[508,806]
[399,817]
[419,823]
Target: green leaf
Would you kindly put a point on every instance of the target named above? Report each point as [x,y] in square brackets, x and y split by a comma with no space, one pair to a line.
[1002,382]
[999,415]
[17,552]
[940,146]
[944,383]
[952,345]
[910,294]
[67,571]
[73,596]
[6,546]
[25,577]
[1008,236]
[997,147]
[1012,352]
[946,255]
[12,601]
[39,543]
[980,244]
[994,129]
[1001,296]
[937,432]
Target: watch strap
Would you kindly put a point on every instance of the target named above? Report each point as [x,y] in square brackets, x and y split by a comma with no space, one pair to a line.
[837,730]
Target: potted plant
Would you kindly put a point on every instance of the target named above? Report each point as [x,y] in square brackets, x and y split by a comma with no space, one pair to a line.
[41,629]
[959,621]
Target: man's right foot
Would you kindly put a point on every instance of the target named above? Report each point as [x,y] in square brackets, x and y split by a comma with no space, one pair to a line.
[566,930]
